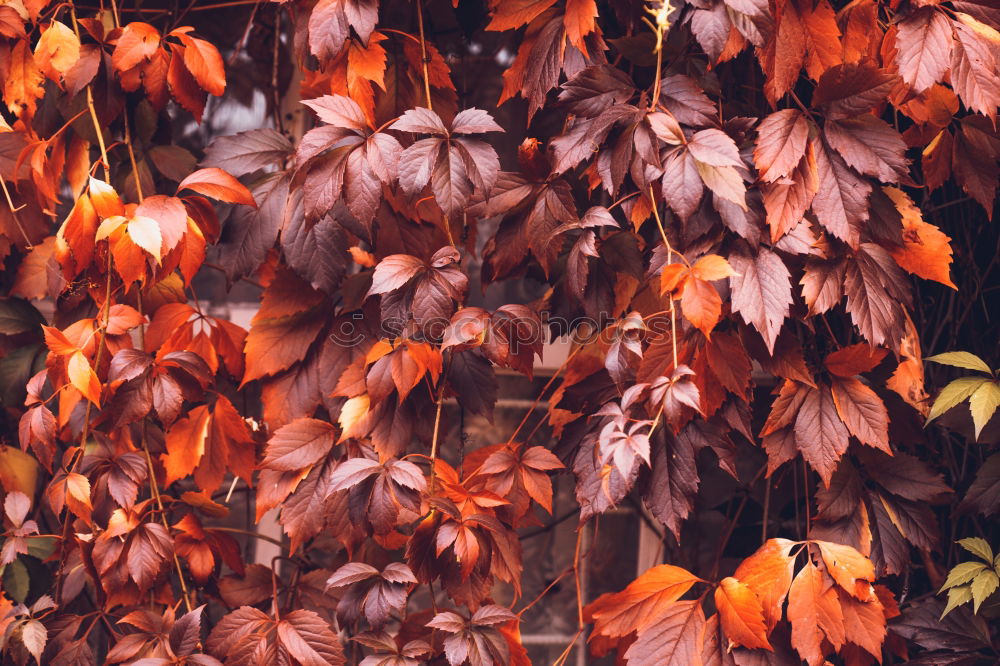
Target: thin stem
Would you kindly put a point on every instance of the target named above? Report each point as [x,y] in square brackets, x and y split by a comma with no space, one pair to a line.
[767,507]
[437,420]
[13,212]
[135,167]
[90,107]
[155,490]
[424,59]
[249,533]
[805,491]
[670,252]
[735,519]
[538,399]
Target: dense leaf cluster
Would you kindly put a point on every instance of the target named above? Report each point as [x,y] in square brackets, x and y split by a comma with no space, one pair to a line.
[720,202]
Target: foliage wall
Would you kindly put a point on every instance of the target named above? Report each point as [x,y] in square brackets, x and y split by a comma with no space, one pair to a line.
[752,218]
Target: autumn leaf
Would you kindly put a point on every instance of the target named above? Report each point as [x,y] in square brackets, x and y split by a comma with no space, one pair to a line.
[216,183]
[741,614]
[815,614]
[641,605]
[926,251]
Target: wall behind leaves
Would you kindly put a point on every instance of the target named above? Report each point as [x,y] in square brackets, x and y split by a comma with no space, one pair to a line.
[749,218]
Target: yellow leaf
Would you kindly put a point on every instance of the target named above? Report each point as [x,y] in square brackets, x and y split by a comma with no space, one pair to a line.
[962,574]
[724,181]
[983,403]
[352,414]
[83,378]
[961,359]
[18,471]
[978,547]
[956,597]
[145,232]
[954,393]
[983,586]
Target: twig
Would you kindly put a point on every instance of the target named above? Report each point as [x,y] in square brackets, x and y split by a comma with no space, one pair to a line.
[424,59]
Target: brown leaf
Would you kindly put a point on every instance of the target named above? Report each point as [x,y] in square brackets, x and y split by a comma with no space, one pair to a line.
[869,145]
[819,432]
[762,292]
[781,143]
[923,47]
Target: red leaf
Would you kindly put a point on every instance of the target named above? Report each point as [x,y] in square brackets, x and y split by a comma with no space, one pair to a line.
[298,445]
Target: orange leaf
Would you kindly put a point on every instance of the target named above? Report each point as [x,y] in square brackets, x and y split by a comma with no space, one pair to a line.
[83,378]
[642,604]
[579,21]
[138,42]
[183,86]
[204,62]
[216,183]
[768,573]
[926,250]
[822,39]
[815,614]
[106,201]
[712,267]
[854,359]
[78,495]
[701,305]
[23,83]
[850,569]
[186,444]
[57,342]
[672,277]
[511,14]
[741,614]
[57,50]
[123,318]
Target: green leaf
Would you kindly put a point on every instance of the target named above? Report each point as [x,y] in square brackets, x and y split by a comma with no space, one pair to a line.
[16,581]
[983,586]
[962,574]
[978,547]
[41,547]
[19,316]
[961,359]
[954,393]
[956,597]
[983,403]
